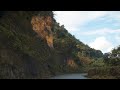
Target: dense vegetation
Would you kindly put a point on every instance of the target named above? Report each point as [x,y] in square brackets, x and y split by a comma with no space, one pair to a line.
[108,67]
[25,55]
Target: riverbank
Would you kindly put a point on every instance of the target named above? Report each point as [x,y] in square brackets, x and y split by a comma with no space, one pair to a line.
[108,72]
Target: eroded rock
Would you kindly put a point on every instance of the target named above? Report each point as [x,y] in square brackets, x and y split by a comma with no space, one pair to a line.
[42,26]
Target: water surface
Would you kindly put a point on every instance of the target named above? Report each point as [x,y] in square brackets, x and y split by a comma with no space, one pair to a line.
[71,76]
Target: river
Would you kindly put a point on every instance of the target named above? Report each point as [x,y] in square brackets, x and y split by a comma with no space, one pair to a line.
[71,76]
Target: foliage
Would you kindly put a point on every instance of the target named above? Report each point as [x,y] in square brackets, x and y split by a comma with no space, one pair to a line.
[28,56]
[112,72]
[98,63]
[113,60]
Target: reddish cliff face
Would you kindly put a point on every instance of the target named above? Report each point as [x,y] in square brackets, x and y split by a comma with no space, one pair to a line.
[42,26]
[71,63]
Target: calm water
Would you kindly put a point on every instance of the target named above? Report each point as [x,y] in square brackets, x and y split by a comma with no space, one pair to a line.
[71,76]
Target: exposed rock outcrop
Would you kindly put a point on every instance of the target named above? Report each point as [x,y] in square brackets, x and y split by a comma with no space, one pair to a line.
[71,63]
[42,26]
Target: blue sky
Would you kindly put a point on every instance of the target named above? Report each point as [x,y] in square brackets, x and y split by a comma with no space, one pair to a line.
[99,29]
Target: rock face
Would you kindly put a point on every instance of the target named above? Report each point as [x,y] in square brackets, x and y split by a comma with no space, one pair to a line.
[22,54]
[42,26]
[71,63]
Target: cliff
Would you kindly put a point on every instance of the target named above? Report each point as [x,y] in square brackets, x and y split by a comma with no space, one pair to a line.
[34,45]
[42,26]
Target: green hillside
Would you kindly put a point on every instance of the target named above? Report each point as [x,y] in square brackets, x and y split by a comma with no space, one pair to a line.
[24,54]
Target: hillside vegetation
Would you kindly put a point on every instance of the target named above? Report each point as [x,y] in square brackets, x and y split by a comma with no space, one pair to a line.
[108,67]
[34,45]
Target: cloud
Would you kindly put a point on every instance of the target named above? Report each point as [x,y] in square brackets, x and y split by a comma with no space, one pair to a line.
[117,37]
[110,49]
[101,43]
[75,19]
[103,31]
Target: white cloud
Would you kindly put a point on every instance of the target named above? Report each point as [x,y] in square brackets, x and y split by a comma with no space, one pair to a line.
[101,43]
[114,15]
[74,19]
[109,49]
[117,37]
[103,31]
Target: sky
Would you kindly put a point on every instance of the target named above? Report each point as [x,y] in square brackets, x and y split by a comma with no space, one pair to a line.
[98,29]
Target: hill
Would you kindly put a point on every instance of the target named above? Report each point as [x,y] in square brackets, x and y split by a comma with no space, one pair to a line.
[34,45]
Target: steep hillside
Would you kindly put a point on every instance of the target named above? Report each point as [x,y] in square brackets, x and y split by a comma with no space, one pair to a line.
[34,45]
[71,47]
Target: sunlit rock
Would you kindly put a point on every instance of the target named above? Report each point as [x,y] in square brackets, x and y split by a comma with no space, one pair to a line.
[42,26]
